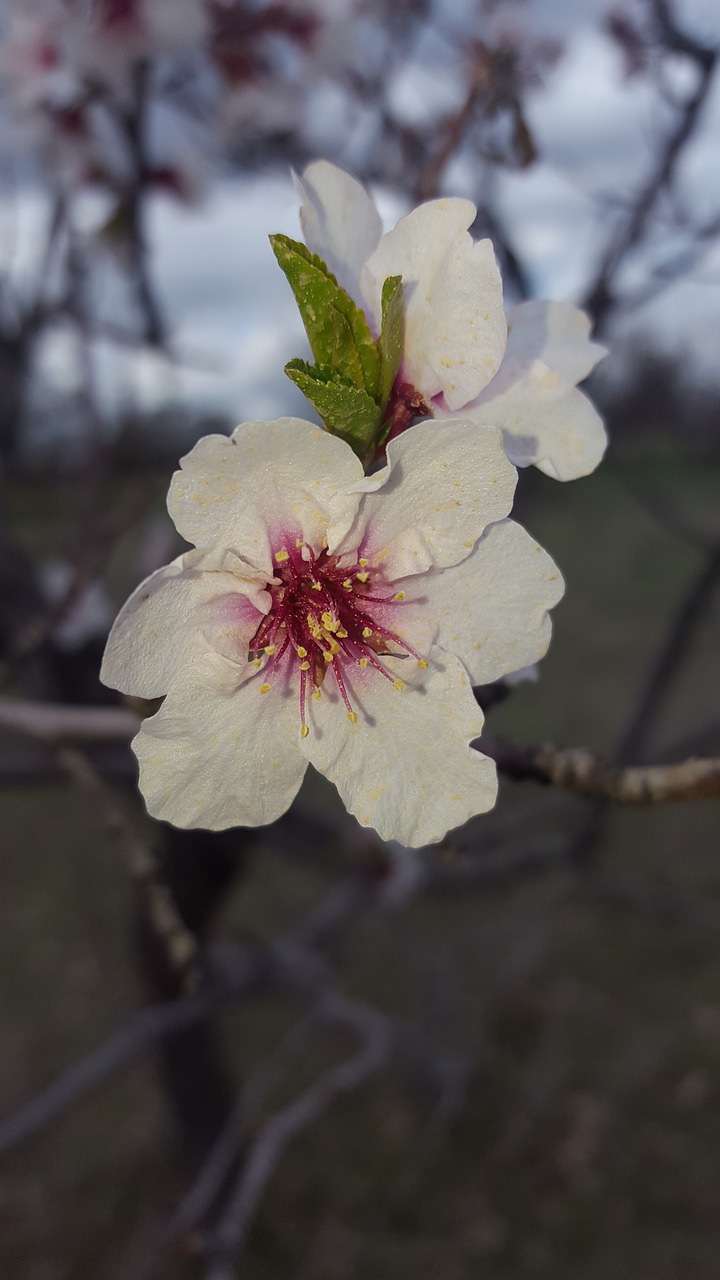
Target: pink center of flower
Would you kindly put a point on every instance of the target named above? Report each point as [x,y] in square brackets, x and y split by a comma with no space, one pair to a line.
[324,619]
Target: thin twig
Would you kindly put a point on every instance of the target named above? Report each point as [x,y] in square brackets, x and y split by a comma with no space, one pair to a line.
[52,723]
[675,649]
[601,296]
[225,1243]
[655,900]
[579,771]
[141,1031]
[285,966]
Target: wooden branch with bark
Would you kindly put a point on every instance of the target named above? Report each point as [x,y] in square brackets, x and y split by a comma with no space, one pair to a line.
[579,771]
[572,769]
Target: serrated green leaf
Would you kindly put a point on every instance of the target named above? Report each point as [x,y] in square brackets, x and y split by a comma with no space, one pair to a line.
[336,327]
[392,336]
[346,410]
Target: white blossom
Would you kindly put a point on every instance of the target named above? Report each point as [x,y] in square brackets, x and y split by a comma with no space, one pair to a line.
[460,353]
[101,39]
[330,618]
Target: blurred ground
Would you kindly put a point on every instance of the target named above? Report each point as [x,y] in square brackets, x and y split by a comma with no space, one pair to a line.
[589,1141]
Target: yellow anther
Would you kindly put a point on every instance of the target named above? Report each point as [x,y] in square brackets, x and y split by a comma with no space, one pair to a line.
[363,662]
[341,633]
[352,717]
[264,688]
[398,685]
[348,584]
[299,543]
[301,653]
[328,620]
[304,731]
[422,664]
[327,655]
[362,577]
[317,693]
[257,662]
[399,595]
[270,649]
[363,562]
[316,586]
[281,555]
[367,632]
[305,666]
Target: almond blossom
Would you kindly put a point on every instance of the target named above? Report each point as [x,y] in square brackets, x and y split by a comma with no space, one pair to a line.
[330,618]
[460,353]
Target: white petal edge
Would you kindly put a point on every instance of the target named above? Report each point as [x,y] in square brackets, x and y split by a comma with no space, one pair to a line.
[267,479]
[566,437]
[455,327]
[163,626]
[557,333]
[406,768]
[444,483]
[491,610]
[546,422]
[339,221]
[219,753]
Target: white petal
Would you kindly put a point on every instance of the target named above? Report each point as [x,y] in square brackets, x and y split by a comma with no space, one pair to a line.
[171,618]
[339,221]
[406,767]
[444,483]
[558,334]
[267,482]
[219,753]
[569,435]
[455,329]
[546,421]
[491,609]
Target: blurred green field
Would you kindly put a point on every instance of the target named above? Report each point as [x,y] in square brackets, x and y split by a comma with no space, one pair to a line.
[589,1142]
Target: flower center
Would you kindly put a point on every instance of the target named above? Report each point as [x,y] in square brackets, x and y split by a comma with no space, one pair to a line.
[323,617]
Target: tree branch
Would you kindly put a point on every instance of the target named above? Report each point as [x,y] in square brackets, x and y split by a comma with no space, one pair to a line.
[602,296]
[577,770]
[53,723]
[226,1242]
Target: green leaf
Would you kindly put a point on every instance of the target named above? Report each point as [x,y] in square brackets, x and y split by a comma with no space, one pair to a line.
[392,335]
[337,329]
[346,410]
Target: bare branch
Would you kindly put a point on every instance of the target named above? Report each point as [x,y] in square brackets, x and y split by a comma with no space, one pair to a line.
[221,1158]
[577,770]
[654,899]
[226,1242]
[673,653]
[289,966]
[54,723]
[139,1032]
[602,293]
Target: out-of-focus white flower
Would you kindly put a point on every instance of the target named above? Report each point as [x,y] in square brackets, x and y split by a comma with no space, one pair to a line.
[332,618]
[101,39]
[460,353]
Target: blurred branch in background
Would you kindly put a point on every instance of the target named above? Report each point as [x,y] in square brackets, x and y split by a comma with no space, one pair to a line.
[664,39]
